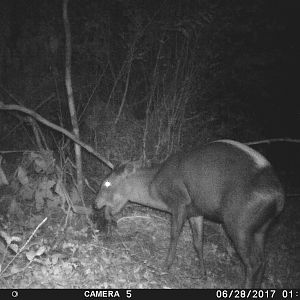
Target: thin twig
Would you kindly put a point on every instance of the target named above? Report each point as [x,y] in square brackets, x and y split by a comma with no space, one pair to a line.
[22,121]
[267,141]
[22,248]
[22,270]
[16,151]
[126,85]
[92,94]
[133,217]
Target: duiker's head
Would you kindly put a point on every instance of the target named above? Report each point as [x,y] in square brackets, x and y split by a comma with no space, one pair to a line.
[116,189]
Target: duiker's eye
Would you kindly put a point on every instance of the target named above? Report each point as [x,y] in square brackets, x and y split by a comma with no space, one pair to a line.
[107,183]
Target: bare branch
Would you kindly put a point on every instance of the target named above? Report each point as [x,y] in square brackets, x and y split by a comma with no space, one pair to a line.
[268,141]
[57,128]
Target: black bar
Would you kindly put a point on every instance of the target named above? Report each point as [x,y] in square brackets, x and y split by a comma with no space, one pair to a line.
[155,294]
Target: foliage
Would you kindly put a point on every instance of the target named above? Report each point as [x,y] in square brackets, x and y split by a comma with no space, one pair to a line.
[36,178]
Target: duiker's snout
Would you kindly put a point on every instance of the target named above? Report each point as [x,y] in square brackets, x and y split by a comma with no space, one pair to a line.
[100,202]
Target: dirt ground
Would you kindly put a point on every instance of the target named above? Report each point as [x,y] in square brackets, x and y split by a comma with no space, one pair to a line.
[133,257]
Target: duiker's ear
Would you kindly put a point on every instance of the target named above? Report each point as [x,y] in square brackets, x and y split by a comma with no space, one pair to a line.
[130,168]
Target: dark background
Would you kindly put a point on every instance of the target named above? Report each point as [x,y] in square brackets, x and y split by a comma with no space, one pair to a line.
[239,58]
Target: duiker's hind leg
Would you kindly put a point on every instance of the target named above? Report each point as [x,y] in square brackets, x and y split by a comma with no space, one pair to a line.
[243,242]
[250,247]
[259,241]
[196,224]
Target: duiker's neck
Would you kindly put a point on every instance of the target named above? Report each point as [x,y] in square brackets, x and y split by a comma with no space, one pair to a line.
[141,191]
